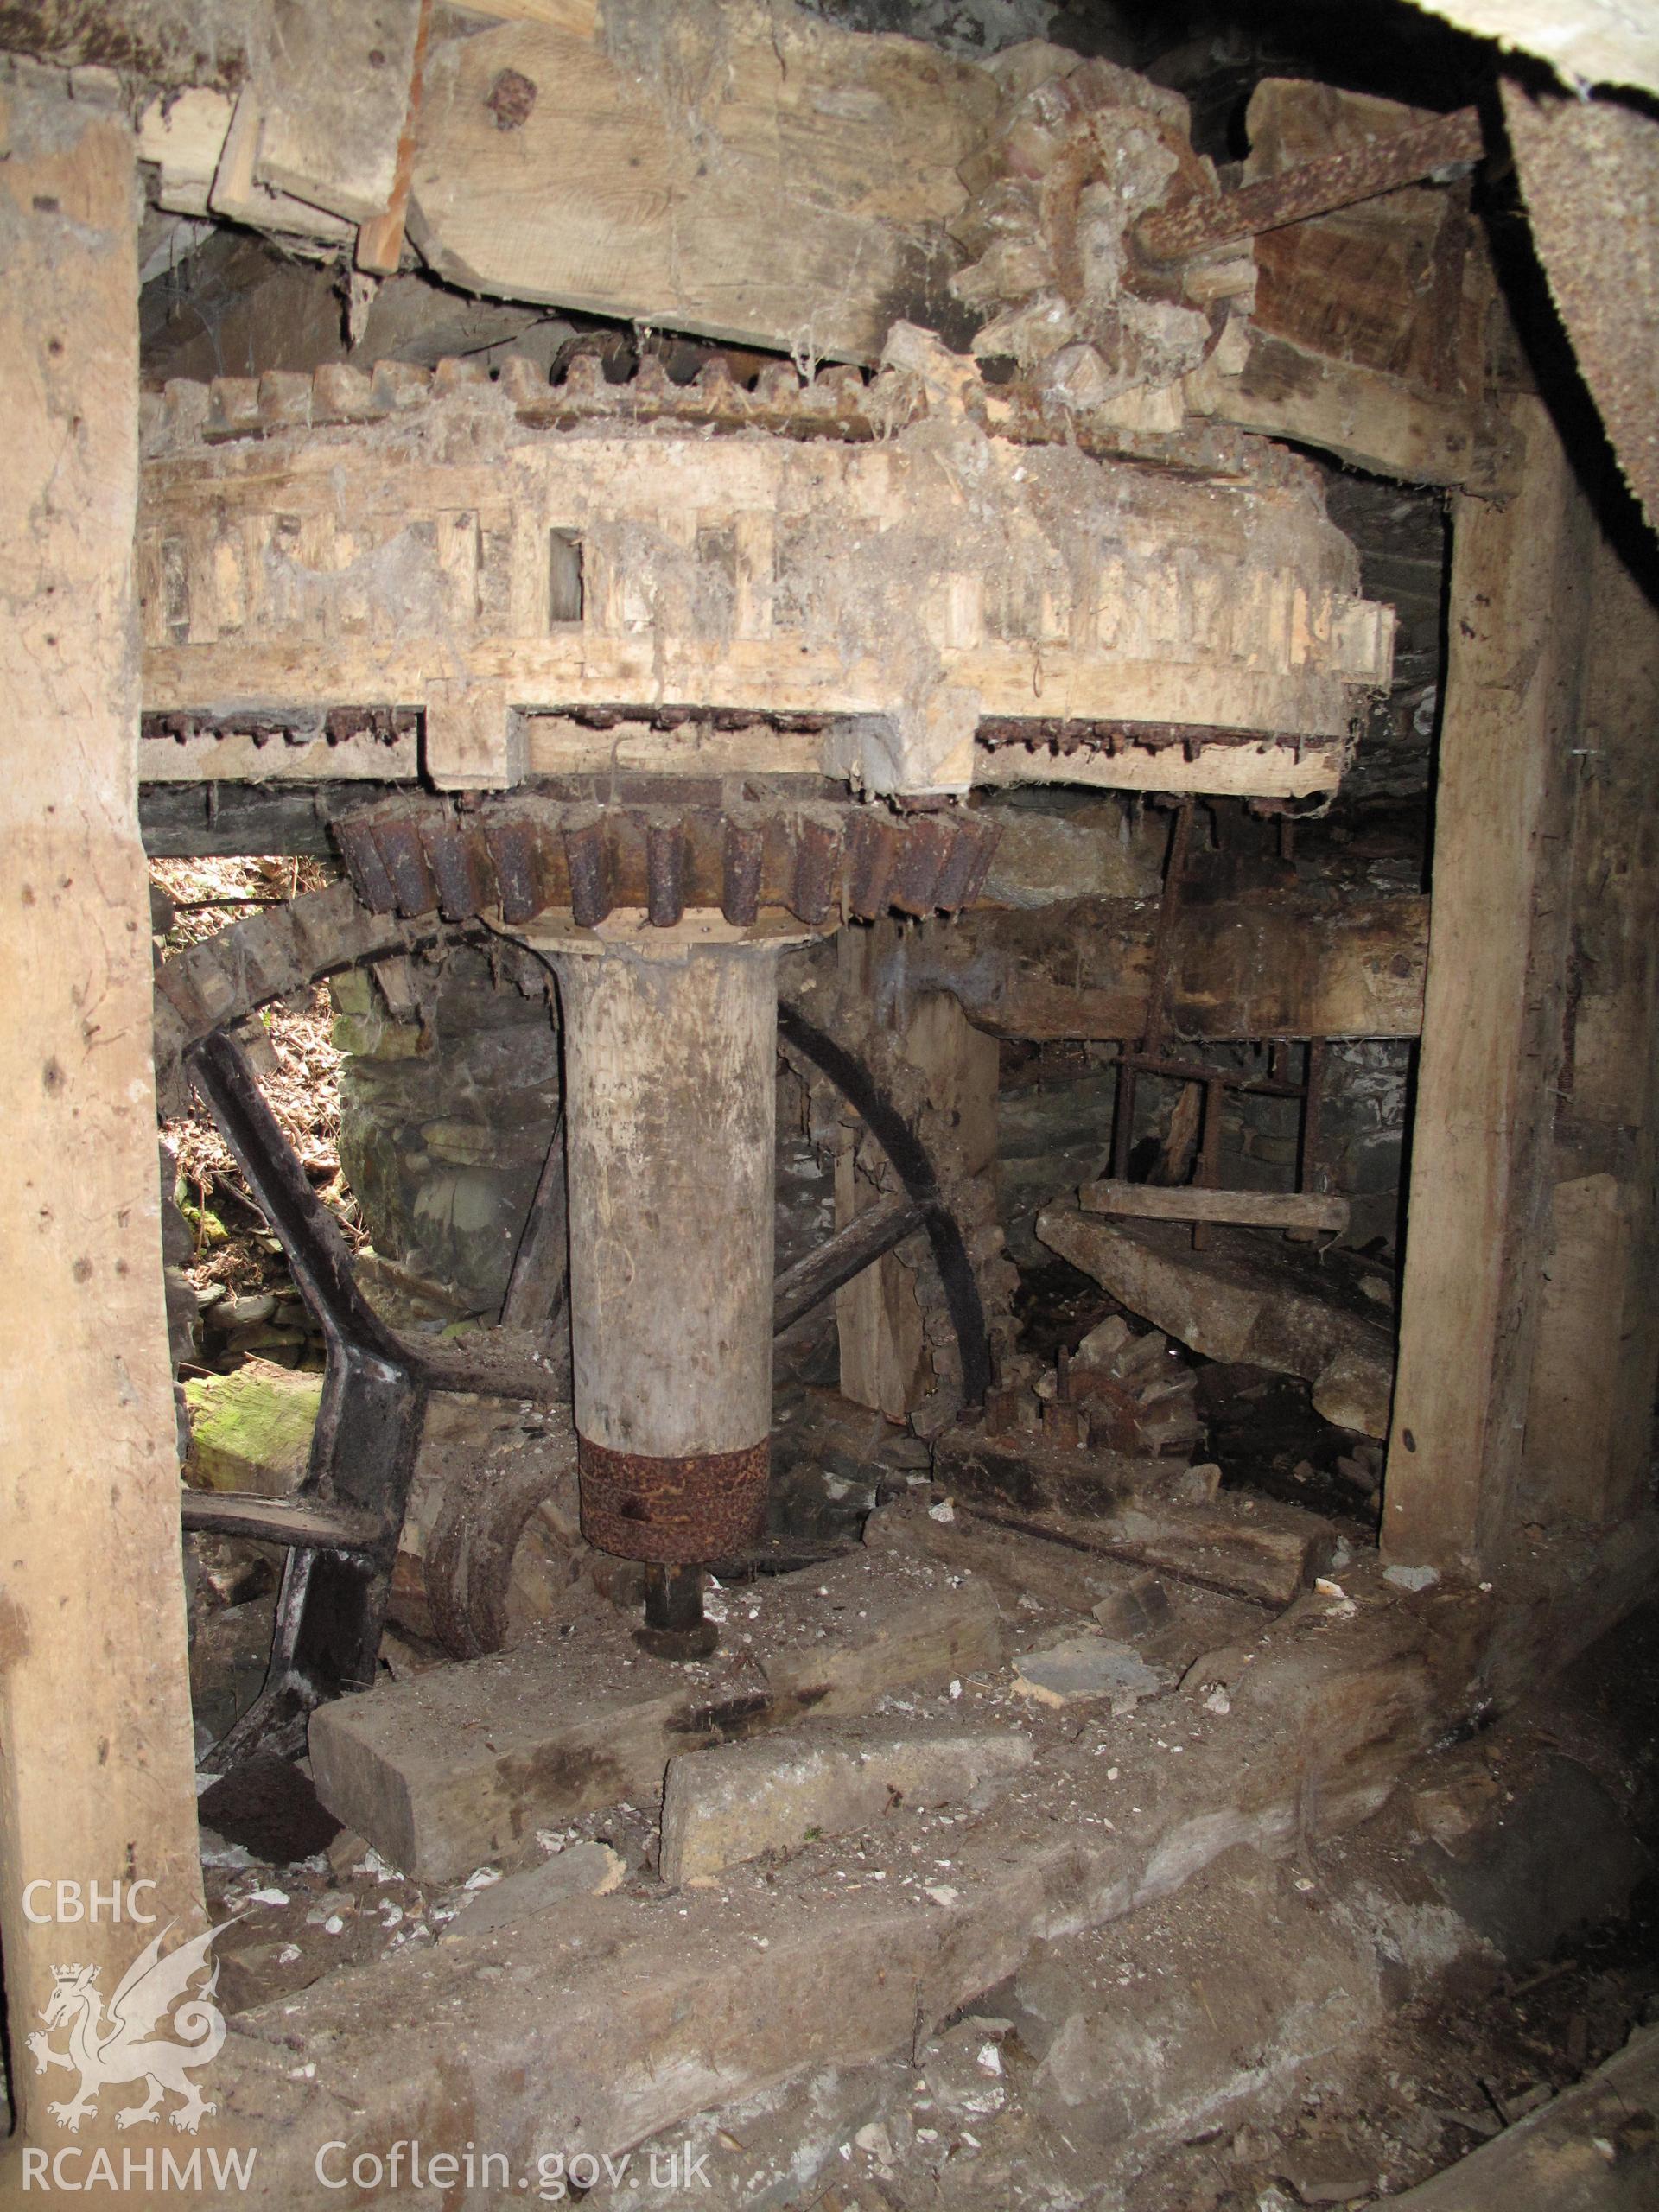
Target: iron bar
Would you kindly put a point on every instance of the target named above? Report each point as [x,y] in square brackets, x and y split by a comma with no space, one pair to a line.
[1312,188]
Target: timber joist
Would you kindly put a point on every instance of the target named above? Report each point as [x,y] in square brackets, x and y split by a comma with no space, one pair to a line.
[502,557]
[820,861]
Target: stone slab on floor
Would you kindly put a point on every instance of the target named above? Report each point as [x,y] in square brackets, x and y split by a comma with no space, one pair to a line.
[1083,1668]
[600,2025]
[741,1801]
[584,1870]
[461,1764]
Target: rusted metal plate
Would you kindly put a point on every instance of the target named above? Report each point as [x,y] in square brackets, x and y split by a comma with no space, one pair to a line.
[673,1512]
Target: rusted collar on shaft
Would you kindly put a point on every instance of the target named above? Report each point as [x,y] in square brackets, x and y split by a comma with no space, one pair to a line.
[673,1512]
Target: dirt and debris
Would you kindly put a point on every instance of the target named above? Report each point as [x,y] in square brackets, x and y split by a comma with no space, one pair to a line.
[1308,2020]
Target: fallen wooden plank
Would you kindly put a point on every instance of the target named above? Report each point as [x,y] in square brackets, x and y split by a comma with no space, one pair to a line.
[1244,1548]
[1266,1305]
[747,173]
[1591,2149]
[1111,1503]
[1051,1573]
[1259,1208]
[1030,1472]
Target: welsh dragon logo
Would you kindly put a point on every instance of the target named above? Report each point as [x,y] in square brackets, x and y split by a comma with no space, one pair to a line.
[122,2046]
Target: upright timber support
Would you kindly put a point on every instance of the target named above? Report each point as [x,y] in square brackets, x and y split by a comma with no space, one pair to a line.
[1589,1424]
[95,1765]
[1493,1014]
[881,1328]
[670,1057]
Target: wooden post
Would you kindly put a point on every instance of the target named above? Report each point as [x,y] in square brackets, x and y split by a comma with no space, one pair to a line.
[884,1360]
[670,1053]
[1493,1012]
[96,1763]
[1589,1413]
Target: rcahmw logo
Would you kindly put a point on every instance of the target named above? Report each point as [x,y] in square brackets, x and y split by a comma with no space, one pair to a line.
[158,2169]
[158,2026]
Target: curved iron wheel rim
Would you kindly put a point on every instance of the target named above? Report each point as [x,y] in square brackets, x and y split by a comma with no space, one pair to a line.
[220,981]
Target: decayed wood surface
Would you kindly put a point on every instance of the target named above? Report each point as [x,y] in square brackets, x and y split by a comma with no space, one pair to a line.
[96,1762]
[1271,964]
[1368,334]
[1242,1300]
[1361,414]
[1589,2150]
[333,90]
[409,561]
[1492,1016]
[881,1327]
[1590,1405]
[1108,1503]
[1401,284]
[742,171]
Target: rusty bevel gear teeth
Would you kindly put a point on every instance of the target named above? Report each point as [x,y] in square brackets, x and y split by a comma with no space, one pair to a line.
[529,856]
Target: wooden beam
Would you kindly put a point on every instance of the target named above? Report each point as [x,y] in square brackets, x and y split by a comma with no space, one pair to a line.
[1558,2154]
[1367,337]
[1256,1208]
[95,1756]
[333,85]
[1363,416]
[750,173]
[1493,1012]
[1269,964]
[380,240]
[1590,1408]
[1264,770]
[885,1359]
[846,1254]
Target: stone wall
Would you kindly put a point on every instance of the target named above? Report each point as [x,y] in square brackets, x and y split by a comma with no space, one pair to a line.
[447,1107]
